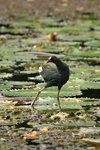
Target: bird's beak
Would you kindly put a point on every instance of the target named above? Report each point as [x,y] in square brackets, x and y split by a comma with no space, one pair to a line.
[49,60]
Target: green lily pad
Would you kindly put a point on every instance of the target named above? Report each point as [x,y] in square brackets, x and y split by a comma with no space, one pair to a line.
[14,47]
[67,125]
[35,71]
[18,56]
[85,24]
[81,37]
[89,52]
[5,69]
[68,104]
[88,76]
[91,60]
[85,72]
[65,91]
[20,84]
[90,130]
[5,75]
[55,49]
[56,29]
[6,63]
[83,84]
[5,86]
[92,140]
[94,43]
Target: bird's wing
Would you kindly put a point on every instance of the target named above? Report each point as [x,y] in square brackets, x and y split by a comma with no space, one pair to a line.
[48,74]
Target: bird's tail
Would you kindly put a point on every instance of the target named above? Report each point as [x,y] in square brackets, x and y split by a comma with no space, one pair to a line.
[42,71]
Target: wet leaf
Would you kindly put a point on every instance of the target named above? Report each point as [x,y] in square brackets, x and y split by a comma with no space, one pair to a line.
[92,141]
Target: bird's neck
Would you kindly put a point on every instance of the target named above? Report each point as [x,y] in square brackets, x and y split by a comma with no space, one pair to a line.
[59,65]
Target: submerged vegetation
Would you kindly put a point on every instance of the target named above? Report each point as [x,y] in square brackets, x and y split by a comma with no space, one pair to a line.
[26,42]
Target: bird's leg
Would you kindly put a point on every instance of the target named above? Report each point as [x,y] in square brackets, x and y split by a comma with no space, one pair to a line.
[58,100]
[36,97]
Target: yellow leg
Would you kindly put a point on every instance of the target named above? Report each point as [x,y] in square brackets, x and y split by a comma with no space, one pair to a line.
[58,101]
[36,97]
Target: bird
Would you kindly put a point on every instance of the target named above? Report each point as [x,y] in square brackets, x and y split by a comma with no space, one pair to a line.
[54,77]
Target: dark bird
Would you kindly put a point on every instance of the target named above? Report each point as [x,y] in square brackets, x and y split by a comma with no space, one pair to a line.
[54,77]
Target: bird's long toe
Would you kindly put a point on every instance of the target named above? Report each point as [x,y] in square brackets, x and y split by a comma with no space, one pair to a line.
[33,107]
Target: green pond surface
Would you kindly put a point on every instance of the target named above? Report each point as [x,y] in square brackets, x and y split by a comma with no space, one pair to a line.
[26,44]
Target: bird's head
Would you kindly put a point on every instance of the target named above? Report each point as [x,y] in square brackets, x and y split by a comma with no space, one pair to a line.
[52,59]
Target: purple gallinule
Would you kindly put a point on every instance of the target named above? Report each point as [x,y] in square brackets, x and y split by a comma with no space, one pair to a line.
[54,77]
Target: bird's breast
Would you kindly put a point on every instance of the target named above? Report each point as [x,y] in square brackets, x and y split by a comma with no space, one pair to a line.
[63,77]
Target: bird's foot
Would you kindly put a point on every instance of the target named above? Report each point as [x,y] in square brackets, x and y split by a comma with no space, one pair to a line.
[34,109]
[59,111]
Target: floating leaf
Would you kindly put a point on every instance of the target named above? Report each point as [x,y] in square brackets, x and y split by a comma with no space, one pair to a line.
[89,130]
[65,91]
[92,141]
[19,84]
[5,86]
[94,43]
[5,75]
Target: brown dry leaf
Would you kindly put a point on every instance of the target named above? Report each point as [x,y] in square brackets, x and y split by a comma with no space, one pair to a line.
[32,135]
[51,37]
[23,86]
[2,139]
[69,82]
[78,100]
[97,70]
[65,99]
[76,78]
[44,129]
[84,73]
[77,86]
[12,107]
[60,115]
[73,99]
[39,46]
[29,135]
[80,8]
[37,88]
[70,87]
[8,102]
[1,36]
[97,108]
